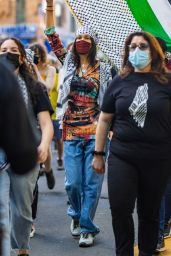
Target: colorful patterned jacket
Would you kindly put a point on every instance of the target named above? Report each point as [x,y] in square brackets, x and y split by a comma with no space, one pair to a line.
[67,60]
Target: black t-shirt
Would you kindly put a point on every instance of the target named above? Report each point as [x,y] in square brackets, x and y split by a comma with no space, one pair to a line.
[142,116]
[42,102]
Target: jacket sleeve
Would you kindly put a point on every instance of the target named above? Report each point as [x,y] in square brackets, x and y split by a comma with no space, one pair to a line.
[56,44]
[17,137]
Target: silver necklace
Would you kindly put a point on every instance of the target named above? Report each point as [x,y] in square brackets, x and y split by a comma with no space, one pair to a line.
[84,68]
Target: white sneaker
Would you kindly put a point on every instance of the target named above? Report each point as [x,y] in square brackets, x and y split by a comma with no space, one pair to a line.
[33,230]
[75,228]
[86,240]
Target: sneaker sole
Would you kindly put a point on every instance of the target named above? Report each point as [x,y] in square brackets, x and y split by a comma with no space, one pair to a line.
[168,236]
[32,235]
[85,245]
[161,250]
[165,237]
[75,235]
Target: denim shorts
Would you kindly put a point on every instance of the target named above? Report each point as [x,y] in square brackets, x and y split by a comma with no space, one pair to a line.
[57,131]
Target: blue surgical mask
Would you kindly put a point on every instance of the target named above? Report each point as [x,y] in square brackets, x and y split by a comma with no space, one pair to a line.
[139,58]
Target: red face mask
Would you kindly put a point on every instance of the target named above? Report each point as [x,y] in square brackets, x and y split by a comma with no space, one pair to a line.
[83,47]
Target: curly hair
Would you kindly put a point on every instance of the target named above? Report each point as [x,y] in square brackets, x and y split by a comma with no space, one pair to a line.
[158,67]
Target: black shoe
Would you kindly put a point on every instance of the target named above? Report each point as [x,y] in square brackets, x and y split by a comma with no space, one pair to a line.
[60,164]
[167,229]
[23,254]
[41,173]
[145,254]
[42,170]
[50,179]
[160,245]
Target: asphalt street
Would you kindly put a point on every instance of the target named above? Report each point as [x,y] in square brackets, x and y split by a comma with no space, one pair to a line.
[53,236]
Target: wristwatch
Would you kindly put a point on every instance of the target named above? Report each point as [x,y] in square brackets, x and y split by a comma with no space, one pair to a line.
[98,153]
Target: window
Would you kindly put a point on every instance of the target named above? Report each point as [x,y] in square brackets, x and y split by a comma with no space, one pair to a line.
[20,11]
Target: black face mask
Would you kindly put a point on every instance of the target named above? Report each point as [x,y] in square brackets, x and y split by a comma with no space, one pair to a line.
[11,59]
[36,59]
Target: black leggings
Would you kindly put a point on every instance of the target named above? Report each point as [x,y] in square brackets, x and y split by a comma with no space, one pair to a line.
[144,180]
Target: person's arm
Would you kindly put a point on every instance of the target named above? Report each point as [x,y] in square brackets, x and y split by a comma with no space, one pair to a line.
[101,137]
[43,110]
[50,78]
[52,36]
[50,13]
[39,78]
[47,135]
[105,119]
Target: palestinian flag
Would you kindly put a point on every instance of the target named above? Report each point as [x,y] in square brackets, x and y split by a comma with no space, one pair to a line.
[113,20]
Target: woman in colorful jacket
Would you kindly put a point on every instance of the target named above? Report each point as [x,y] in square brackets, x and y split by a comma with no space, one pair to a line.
[80,96]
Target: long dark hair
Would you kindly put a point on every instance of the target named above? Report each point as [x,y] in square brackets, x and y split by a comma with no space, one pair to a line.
[158,67]
[40,51]
[91,55]
[24,71]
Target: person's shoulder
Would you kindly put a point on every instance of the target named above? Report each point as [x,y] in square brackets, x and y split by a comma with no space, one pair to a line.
[40,87]
[69,59]
[117,79]
[51,70]
[115,84]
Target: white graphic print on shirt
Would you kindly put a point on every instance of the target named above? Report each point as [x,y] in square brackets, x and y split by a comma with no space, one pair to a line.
[138,108]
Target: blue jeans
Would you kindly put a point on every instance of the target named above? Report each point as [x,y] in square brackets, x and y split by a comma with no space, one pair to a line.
[83,185]
[165,209]
[16,196]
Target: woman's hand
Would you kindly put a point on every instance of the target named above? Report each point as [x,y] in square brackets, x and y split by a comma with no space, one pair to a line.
[42,152]
[49,2]
[98,164]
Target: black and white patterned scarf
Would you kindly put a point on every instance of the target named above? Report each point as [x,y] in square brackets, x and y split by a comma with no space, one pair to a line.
[24,90]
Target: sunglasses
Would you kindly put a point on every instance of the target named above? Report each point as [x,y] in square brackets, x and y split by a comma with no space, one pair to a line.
[141,46]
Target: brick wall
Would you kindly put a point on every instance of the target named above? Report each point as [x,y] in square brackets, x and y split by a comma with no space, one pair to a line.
[7,12]
[32,15]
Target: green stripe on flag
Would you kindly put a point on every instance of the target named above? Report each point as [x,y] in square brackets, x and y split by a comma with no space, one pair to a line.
[147,20]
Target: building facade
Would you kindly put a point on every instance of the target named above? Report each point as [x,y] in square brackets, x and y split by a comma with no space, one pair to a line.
[25,20]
